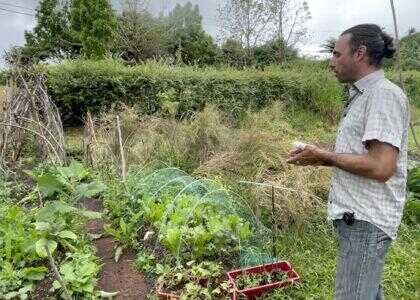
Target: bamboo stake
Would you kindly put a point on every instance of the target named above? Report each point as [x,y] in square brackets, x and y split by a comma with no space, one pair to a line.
[273,222]
[123,167]
[57,274]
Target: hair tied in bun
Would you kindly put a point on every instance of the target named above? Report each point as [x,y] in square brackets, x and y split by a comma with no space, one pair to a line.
[389,49]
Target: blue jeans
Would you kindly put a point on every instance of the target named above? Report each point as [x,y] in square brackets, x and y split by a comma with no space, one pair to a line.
[360,261]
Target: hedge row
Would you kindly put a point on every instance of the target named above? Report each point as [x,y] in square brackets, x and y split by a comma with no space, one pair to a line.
[4,74]
[411,84]
[79,86]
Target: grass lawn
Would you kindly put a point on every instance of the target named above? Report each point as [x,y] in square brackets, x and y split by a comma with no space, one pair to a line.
[312,252]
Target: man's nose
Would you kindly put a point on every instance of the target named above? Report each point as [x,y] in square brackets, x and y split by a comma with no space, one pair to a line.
[331,63]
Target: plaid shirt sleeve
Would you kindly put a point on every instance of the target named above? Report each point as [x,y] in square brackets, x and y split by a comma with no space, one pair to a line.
[385,118]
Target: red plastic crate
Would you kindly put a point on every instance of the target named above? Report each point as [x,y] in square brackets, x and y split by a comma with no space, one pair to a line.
[167,296]
[252,293]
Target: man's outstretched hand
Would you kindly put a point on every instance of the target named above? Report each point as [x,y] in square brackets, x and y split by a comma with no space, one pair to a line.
[310,155]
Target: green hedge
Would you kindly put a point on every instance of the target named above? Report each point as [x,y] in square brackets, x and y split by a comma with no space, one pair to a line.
[79,86]
[4,74]
[411,84]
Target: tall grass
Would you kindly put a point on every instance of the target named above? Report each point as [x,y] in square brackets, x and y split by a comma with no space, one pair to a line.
[208,146]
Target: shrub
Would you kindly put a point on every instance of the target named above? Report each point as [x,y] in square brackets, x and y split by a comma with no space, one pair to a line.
[79,86]
[4,74]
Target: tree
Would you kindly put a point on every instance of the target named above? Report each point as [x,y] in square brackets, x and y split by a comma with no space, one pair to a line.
[328,45]
[289,20]
[233,54]
[410,51]
[268,53]
[140,36]
[135,5]
[51,35]
[245,21]
[411,30]
[94,23]
[255,22]
[186,38]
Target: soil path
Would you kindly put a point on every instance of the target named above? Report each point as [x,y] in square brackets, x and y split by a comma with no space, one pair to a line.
[115,276]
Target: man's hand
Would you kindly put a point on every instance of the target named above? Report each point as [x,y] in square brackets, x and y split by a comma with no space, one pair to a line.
[379,163]
[309,155]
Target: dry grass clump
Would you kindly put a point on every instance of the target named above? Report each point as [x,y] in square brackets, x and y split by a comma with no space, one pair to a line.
[147,139]
[207,146]
[2,97]
[259,157]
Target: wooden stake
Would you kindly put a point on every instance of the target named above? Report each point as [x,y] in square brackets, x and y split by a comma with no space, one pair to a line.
[123,167]
[57,274]
[273,221]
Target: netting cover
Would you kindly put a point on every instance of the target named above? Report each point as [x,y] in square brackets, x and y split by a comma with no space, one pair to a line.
[176,182]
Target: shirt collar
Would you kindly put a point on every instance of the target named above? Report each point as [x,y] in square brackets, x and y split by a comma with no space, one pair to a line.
[364,82]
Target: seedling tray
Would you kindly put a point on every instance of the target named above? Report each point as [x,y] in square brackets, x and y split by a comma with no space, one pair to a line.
[253,292]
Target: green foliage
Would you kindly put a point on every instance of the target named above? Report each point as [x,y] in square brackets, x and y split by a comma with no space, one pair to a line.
[233,54]
[59,222]
[188,224]
[20,264]
[125,232]
[140,36]
[51,36]
[203,280]
[413,181]
[86,85]
[410,52]
[249,280]
[412,206]
[187,39]
[94,23]
[269,53]
[411,84]
[66,182]
[79,271]
[57,226]
[145,262]
[4,75]
[194,230]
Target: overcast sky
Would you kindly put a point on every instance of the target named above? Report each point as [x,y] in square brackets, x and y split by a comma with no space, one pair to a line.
[329,18]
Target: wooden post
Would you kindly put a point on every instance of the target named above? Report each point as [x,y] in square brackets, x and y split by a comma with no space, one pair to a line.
[273,221]
[123,166]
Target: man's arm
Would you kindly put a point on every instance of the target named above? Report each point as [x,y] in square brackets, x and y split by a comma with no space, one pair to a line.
[379,163]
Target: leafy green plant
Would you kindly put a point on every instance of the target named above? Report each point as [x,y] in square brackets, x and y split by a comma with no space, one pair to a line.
[23,237]
[145,262]
[203,280]
[58,222]
[194,230]
[20,265]
[79,271]
[412,206]
[66,182]
[125,232]
[248,280]
[26,233]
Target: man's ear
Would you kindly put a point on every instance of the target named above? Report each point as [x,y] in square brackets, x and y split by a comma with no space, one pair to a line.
[360,53]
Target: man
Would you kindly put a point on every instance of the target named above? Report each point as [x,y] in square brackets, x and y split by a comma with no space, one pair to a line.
[369,162]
